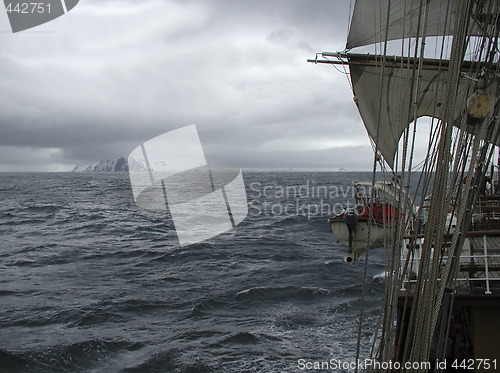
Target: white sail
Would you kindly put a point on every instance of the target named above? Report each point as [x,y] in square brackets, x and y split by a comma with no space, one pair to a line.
[396,112]
[369,20]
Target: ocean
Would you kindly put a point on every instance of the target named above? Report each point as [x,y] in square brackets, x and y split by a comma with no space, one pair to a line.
[90,282]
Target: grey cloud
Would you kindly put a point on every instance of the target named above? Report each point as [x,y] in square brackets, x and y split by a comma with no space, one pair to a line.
[114,73]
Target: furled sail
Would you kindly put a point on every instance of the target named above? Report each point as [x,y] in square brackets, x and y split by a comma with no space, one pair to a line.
[396,112]
[369,20]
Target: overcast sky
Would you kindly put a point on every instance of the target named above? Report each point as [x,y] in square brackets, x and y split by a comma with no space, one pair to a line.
[111,74]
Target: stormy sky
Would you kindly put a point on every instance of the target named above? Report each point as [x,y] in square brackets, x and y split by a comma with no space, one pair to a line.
[111,74]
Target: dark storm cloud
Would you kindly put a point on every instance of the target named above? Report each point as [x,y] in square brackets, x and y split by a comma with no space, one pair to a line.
[109,75]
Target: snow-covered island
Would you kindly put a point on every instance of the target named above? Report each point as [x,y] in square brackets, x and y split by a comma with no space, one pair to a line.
[120,164]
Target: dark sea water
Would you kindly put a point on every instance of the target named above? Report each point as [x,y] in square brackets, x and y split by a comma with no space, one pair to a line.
[89,282]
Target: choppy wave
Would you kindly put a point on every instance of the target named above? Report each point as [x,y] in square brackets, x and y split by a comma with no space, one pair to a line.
[89,282]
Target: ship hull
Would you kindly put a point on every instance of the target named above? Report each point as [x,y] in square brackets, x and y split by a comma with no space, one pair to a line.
[379,235]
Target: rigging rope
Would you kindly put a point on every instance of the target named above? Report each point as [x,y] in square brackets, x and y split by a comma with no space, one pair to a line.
[418,345]
[374,171]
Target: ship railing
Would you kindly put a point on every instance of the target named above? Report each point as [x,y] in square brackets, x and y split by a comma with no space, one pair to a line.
[480,261]
[463,284]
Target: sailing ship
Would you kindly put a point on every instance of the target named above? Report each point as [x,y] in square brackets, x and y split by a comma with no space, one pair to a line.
[442,277]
